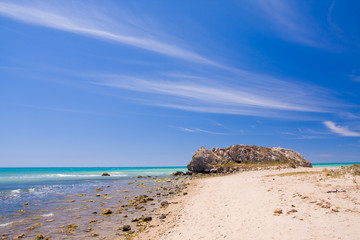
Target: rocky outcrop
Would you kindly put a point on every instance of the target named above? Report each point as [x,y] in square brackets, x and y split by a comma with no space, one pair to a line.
[235,157]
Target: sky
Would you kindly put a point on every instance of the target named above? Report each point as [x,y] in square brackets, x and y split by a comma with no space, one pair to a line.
[146,83]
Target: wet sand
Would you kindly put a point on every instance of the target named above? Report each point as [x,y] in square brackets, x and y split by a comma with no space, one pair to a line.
[298,203]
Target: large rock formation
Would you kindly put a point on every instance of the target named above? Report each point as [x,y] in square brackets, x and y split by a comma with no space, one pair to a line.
[239,156]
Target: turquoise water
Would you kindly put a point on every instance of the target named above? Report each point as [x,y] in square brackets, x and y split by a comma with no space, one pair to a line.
[333,164]
[41,185]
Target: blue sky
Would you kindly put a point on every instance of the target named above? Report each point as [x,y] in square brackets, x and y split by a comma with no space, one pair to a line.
[146,83]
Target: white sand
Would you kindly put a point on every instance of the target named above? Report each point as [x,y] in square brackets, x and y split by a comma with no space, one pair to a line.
[241,206]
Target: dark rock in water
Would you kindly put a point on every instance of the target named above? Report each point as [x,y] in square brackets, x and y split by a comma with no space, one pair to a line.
[135,219]
[162,216]
[106,212]
[164,203]
[105,175]
[39,236]
[189,173]
[225,160]
[146,218]
[125,228]
[178,173]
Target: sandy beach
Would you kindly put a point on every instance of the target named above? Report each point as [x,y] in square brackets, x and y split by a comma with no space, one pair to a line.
[302,203]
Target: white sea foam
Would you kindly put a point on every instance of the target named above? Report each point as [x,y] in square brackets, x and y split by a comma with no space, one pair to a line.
[48,215]
[6,224]
[15,191]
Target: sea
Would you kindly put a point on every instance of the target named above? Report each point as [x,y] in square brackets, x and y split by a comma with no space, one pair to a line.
[46,189]
[45,186]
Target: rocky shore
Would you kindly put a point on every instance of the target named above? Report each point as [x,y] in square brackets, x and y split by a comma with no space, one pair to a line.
[113,211]
[242,157]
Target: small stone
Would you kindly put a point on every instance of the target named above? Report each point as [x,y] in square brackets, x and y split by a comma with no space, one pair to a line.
[98,195]
[105,175]
[95,235]
[106,212]
[21,235]
[98,190]
[278,211]
[26,204]
[292,211]
[88,229]
[147,218]
[164,203]
[162,216]
[39,236]
[125,228]
[72,226]
[93,221]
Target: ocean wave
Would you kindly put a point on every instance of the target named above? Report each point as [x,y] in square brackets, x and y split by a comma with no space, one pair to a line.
[58,175]
[48,215]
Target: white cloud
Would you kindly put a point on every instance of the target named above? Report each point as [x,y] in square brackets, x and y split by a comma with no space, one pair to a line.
[289,21]
[95,24]
[247,97]
[199,130]
[342,130]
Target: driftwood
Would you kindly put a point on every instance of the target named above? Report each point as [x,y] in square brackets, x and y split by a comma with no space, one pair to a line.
[336,191]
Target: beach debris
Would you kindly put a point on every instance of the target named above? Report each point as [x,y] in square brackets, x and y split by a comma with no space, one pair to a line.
[278,211]
[336,191]
[105,175]
[106,212]
[125,228]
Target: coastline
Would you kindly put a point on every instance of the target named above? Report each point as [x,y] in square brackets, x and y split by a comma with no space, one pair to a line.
[302,203]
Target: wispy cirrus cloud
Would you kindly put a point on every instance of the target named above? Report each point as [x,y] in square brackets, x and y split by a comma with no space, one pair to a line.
[199,130]
[341,130]
[255,98]
[289,21]
[96,24]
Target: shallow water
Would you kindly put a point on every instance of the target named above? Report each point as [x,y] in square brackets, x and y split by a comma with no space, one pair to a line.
[57,197]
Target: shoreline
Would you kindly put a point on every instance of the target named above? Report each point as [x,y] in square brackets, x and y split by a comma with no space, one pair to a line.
[98,213]
[301,203]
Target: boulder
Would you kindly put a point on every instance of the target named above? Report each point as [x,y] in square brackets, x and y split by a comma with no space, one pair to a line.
[105,174]
[228,160]
[204,160]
